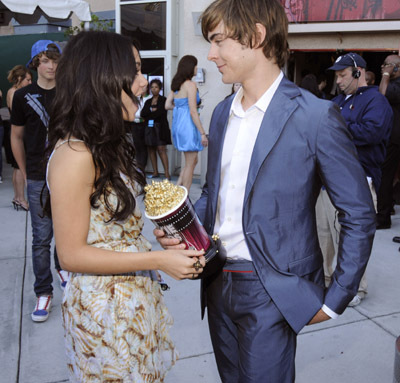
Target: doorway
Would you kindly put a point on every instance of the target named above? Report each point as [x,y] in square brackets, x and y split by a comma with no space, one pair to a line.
[302,63]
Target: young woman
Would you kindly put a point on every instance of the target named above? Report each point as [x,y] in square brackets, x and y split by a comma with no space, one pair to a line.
[116,323]
[19,76]
[157,128]
[187,132]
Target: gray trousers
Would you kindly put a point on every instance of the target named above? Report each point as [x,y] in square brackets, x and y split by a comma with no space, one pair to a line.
[251,339]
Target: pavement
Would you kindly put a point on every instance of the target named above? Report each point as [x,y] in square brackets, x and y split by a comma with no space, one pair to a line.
[358,347]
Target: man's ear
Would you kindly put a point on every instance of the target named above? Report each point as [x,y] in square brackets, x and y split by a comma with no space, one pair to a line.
[259,37]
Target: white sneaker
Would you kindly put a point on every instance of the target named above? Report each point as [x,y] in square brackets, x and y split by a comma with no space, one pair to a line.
[64,278]
[42,308]
[355,301]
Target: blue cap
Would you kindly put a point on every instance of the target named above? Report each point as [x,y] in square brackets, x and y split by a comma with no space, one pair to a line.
[41,46]
[350,59]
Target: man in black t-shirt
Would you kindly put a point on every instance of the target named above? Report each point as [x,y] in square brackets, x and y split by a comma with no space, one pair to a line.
[29,119]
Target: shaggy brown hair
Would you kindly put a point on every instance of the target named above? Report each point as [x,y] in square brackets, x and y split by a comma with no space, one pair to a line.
[240,18]
[18,74]
[52,54]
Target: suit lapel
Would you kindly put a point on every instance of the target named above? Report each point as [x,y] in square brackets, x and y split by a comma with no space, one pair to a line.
[282,105]
[215,153]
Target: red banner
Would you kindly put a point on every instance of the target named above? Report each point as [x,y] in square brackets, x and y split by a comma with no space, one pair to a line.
[299,11]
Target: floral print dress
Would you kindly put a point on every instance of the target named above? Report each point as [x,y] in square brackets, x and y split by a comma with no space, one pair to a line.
[116,326]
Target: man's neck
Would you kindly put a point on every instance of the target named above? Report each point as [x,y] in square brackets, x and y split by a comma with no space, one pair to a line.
[46,84]
[256,85]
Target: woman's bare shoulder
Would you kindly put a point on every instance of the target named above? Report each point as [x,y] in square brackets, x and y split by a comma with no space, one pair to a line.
[72,155]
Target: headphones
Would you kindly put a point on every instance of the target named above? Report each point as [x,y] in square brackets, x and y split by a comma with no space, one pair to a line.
[355,72]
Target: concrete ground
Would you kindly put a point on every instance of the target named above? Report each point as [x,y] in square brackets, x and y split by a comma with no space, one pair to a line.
[358,347]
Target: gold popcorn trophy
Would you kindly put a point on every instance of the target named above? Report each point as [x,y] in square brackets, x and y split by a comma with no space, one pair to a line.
[169,208]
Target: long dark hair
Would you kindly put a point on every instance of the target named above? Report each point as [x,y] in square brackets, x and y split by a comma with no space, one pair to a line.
[309,82]
[184,72]
[94,69]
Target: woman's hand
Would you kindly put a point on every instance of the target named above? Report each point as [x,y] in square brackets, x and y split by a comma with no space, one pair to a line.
[176,261]
[182,264]
[204,140]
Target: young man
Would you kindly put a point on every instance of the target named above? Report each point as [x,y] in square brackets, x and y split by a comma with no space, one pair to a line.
[288,142]
[368,118]
[390,88]
[29,119]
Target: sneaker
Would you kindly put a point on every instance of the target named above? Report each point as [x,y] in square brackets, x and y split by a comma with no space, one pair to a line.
[355,301]
[1,179]
[64,278]
[42,308]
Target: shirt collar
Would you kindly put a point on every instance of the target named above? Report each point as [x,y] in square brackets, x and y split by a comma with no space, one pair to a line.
[262,103]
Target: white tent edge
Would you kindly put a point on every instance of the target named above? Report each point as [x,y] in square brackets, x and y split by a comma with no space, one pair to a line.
[60,9]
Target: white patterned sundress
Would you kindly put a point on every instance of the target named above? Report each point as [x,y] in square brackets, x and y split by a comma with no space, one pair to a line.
[116,327]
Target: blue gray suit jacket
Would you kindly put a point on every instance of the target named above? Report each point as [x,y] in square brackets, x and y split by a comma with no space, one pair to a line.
[303,143]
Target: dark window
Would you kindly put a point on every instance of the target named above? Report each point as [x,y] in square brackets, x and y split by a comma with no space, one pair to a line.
[146,23]
[154,68]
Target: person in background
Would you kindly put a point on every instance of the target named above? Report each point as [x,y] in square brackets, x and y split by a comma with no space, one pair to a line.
[20,76]
[158,135]
[309,82]
[322,83]
[29,137]
[368,117]
[235,87]
[115,319]
[1,141]
[188,133]
[137,130]
[370,77]
[390,88]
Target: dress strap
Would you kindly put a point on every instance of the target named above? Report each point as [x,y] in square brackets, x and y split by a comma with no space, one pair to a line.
[70,140]
[51,155]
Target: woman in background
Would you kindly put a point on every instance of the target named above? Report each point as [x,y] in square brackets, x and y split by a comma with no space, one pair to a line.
[19,76]
[309,82]
[235,87]
[157,134]
[187,132]
[115,320]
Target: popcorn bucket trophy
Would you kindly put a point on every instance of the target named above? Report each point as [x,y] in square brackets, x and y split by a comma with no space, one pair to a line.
[169,208]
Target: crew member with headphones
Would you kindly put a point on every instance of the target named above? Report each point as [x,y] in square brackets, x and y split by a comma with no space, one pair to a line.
[390,88]
[368,116]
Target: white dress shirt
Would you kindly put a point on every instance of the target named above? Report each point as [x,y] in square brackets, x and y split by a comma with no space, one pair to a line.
[241,134]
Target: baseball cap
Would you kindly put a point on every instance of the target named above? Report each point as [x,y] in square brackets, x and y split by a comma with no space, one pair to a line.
[41,46]
[349,59]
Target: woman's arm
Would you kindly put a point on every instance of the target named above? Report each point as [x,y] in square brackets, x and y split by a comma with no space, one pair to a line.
[159,111]
[18,147]
[169,104]
[192,97]
[10,95]
[71,176]
[146,112]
